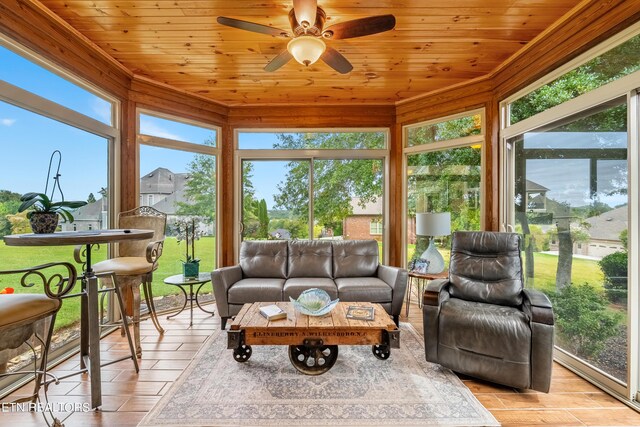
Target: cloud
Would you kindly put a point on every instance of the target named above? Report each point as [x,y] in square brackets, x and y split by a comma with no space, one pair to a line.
[7,122]
[102,109]
[148,127]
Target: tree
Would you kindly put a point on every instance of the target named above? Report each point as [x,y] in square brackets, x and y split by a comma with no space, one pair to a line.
[263,219]
[91,198]
[9,203]
[200,188]
[336,182]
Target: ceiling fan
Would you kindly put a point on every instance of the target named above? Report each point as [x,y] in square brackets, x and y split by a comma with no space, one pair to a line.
[307,35]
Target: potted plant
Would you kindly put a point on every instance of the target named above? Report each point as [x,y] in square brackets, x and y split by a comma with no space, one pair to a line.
[44,213]
[188,232]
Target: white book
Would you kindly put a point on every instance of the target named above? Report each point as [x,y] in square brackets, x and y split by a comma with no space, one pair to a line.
[273,312]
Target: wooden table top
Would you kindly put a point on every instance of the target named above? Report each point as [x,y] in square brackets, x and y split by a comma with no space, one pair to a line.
[430,276]
[250,318]
[64,238]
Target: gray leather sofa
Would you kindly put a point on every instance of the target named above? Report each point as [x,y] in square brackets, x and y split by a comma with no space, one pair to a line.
[482,322]
[277,270]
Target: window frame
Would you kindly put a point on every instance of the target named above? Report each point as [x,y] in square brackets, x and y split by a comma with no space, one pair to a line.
[174,144]
[462,142]
[310,155]
[629,87]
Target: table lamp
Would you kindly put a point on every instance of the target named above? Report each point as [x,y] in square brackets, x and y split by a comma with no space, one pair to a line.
[430,225]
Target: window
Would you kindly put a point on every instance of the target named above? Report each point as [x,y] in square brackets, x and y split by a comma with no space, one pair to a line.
[573,145]
[375,227]
[26,74]
[445,130]
[34,123]
[443,173]
[178,177]
[357,140]
[617,62]
[306,185]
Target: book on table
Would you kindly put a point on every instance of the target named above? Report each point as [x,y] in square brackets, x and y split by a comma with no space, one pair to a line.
[273,312]
[357,312]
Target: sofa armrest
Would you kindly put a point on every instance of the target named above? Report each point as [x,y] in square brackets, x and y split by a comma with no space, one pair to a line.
[222,279]
[538,306]
[436,292]
[396,278]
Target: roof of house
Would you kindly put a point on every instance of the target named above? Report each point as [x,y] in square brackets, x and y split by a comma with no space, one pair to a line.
[161,181]
[370,208]
[609,225]
[90,211]
[534,187]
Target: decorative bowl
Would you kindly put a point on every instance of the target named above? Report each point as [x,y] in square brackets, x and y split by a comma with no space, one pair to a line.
[314,302]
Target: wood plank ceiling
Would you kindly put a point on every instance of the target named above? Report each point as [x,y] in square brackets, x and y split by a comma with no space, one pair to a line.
[435,44]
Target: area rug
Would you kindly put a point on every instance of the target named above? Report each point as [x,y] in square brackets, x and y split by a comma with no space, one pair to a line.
[267,390]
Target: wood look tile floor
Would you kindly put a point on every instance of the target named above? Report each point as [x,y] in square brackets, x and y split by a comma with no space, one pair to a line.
[128,396]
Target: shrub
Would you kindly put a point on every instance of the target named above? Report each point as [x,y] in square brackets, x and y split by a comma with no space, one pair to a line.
[614,268]
[582,319]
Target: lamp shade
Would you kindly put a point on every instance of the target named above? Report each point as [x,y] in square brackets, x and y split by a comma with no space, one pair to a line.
[306,49]
[433,224]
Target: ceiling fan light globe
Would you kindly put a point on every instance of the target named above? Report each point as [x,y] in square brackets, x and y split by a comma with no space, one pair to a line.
[306,49]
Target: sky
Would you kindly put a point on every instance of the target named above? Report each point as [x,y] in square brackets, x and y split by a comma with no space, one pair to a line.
[28,140]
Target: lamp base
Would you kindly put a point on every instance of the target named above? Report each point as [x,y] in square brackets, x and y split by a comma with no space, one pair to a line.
[436,261]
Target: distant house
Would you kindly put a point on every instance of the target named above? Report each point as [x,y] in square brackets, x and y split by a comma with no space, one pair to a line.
[365,222]
[536,197]
[160,189]
[605,232]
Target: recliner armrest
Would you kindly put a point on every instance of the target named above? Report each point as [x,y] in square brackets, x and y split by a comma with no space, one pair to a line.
[432,293]
[539,307]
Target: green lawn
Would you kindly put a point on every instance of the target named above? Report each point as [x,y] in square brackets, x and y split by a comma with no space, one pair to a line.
[169,264]
[583,271]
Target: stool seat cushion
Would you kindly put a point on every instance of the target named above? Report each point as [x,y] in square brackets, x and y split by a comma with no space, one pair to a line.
[124,266]
[20,309]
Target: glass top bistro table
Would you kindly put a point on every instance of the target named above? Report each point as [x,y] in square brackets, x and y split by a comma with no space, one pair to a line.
[181,281]
[89,322]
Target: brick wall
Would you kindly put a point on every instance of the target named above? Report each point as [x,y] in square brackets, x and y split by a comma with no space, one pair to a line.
[359,227]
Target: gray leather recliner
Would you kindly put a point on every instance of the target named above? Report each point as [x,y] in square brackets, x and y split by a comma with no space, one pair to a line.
[482,322]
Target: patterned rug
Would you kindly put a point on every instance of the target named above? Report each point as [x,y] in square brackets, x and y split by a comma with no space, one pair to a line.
[215,390]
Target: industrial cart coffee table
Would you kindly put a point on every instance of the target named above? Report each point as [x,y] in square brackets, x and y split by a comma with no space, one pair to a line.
[313,341]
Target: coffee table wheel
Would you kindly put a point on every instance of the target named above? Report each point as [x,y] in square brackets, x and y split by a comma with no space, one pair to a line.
[382,352]
[242,354]
[313,360]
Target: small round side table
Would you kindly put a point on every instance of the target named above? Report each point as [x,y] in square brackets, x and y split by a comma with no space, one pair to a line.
[180,281]
[421,283]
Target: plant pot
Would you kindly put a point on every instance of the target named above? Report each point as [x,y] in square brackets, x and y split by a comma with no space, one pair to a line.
[44,222]
[190,269]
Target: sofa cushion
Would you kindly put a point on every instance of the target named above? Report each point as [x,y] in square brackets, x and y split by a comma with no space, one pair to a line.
[485,340]
[259,258]
[293,287]
[355,258]
[255,290]
[310,259]
[363,289]
[486,267]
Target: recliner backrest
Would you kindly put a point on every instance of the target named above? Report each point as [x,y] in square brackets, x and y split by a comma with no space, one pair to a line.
[486,267]
[262,258]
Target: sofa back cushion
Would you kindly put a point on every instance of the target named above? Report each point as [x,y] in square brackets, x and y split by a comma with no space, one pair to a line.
[261,258]
[310,258]
[355,258]
[486,267]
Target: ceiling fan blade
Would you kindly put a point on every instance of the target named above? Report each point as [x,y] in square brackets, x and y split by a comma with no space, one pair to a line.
[278,61]
[336,60]
[305,10]
[252,26]
[361,27]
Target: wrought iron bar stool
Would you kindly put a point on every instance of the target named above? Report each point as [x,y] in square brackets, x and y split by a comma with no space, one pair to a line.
[21,313]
